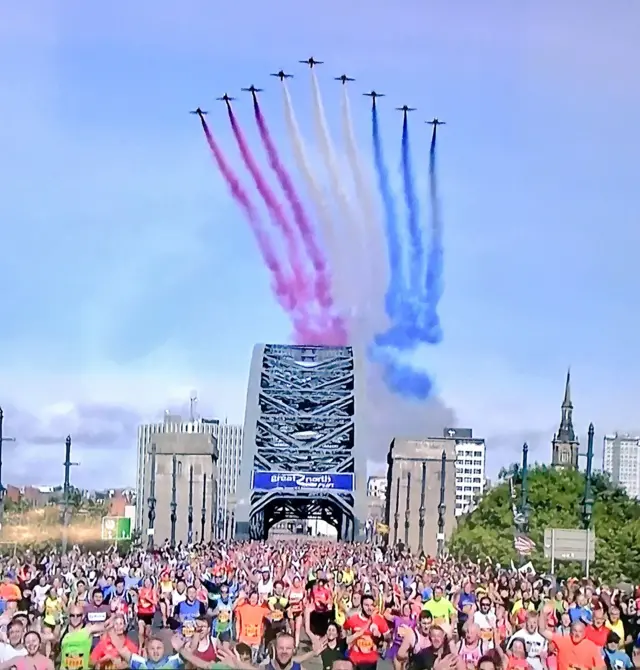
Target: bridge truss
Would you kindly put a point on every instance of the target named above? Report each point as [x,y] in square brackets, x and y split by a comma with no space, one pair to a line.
[303,421]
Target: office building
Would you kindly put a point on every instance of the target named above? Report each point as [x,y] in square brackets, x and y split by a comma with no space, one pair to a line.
[377,488]
[621,460]
[470,468]
[229,446]
[229,437]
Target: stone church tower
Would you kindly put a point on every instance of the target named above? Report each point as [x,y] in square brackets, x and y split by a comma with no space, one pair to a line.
[564,448]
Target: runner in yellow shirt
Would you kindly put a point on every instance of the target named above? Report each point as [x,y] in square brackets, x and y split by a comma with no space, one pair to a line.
[441,609]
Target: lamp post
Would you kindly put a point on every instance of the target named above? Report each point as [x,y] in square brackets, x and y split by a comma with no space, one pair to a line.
[588,501]
[524,501]
[232,501]
[396,515]
[3,439]
[174,503]
[152,499]
[407,512]
[203,511]
[190,509]
[523,516]
[442,508]
[66,492]
[421,512]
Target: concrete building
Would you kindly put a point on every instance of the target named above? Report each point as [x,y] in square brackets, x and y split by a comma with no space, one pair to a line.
[414,479]
[189,458]
[377,487]
[565,445]
[470,468]
[172,424]
[621,460]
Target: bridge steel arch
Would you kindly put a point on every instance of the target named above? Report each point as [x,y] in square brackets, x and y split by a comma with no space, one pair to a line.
[302,452]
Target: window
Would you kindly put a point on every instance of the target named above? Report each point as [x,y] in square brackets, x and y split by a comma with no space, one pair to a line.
[179,469]
[564,457]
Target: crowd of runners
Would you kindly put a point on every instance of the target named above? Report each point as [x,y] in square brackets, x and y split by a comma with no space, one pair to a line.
[296,604]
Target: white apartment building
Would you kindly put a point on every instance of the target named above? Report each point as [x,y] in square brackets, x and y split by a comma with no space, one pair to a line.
[621,460]
[470,468]
[377,487]
[229,439]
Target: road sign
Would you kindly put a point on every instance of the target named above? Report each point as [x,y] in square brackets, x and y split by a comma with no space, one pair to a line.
[569,544]
[116,528]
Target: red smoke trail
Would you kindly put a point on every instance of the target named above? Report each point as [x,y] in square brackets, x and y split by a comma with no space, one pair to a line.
[281,286]
[275,210]
[323,285]
[331,332]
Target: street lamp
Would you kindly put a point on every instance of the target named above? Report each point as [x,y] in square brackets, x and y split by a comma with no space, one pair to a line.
[588,501]
[68,464]
[524,501]
[230,531]
[3,439]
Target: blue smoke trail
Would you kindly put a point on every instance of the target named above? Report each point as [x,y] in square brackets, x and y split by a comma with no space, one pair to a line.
[399,377]
[430,326]
[393,297]
[416,252]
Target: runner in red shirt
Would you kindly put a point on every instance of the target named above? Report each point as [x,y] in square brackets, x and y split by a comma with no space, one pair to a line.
[597,632]
[365,630]
[146,608]
[106,654]
[321,614]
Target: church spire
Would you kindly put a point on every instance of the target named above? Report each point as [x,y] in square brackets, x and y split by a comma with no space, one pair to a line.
[567,391]
[566,432]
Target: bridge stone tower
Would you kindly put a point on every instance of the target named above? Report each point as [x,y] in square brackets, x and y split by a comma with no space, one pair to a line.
[301,453]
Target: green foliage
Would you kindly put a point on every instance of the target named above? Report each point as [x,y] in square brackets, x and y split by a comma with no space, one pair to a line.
[555,501]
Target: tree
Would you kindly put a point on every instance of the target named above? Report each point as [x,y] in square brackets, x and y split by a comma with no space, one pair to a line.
[555,501]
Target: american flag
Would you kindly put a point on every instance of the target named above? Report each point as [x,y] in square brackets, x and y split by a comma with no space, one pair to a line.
[523,545]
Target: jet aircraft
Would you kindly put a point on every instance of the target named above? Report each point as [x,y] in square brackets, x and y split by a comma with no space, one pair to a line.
[252,89]
[226,98]
[198,111]
[405,109]
[374,95]
[282,75]
[311,62]
[436,122]
[344,79]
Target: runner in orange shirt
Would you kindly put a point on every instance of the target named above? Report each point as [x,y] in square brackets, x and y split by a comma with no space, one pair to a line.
[250,623]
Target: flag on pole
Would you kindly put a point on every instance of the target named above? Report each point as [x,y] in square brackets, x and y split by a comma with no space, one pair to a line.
[523,545]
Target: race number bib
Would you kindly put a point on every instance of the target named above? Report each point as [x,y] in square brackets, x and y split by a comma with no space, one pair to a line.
[251,631]
[223,617]
[74,662]
[188,628]
[365,644]
[277,615]
[486,634]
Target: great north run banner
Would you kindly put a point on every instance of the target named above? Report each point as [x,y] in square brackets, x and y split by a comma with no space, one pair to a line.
[268,481]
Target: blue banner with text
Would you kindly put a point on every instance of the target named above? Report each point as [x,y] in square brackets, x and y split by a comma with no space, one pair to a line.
[336,481]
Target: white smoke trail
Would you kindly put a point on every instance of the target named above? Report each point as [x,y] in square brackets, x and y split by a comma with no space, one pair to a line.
[373,279]
[322,207]
[350,247]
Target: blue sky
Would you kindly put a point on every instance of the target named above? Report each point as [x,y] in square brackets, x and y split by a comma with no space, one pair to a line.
[129,278]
